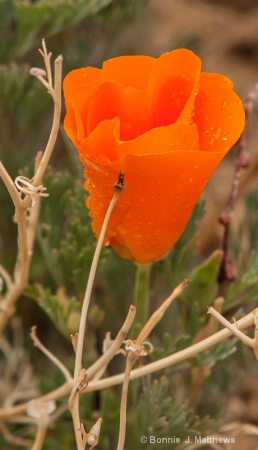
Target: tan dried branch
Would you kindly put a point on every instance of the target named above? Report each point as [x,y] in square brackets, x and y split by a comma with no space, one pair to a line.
[64,390]
[32,191]
[56,93]
[114,347]
[74,396]
[50,355]
[40,410]
[14,440]
[253,343]
[170,360]
[92,438]
[136,349]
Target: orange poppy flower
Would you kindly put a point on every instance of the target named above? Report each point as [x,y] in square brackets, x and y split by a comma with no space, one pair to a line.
[167,126]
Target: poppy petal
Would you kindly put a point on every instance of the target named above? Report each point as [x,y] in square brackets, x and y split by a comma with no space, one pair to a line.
[218,113]
[160,194]
[167,126]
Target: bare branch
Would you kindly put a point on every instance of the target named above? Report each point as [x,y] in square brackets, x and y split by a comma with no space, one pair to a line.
[108,355]
[50,355]
[64,390]
[74,397]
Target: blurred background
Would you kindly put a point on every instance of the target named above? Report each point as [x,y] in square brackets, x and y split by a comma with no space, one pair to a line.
[86,32]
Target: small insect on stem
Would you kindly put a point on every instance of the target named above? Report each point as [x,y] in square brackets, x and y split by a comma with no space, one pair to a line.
[120,182]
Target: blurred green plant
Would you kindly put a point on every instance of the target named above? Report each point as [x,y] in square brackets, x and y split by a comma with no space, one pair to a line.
[84,30]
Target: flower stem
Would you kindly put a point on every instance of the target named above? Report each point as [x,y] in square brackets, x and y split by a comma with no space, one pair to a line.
[141,295]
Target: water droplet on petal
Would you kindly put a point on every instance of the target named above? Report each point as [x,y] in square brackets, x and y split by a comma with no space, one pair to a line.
[87,184]
[88,202]
[217,133]
[121,229]
[128,125]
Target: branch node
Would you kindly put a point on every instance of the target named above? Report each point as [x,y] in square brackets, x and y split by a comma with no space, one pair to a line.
[24,185]
[37,72]
[80,384]
[134,347]
[41,409]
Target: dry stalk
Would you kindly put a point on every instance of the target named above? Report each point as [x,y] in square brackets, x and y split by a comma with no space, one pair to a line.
[40,437]
[27,223]
[50,355]
[14,440]
[80,376]
[64,390]
[136,349]
[227,272]
[116,344]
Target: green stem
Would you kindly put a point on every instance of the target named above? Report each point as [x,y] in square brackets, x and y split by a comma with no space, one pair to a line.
[141,295]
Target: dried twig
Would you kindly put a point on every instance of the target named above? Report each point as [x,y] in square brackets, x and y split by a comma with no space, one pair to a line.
[227,271]
[170,360]
[14,440]
[26,223]
[40,411]
[39,438]
[74,396]
[64,390]
[108,355]
[50,355]
[253,343]
[136,349]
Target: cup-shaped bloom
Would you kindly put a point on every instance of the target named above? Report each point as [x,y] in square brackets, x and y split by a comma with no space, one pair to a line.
[167,125]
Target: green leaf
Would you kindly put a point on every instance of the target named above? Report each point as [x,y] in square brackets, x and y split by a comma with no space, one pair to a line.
[204,285]
[62,310]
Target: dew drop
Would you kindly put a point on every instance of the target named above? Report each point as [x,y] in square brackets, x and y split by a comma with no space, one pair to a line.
[204,134]
[87,184]
[224,137]
[217,133]
[121,229]
[88,202]
[211,141]
[178,101]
